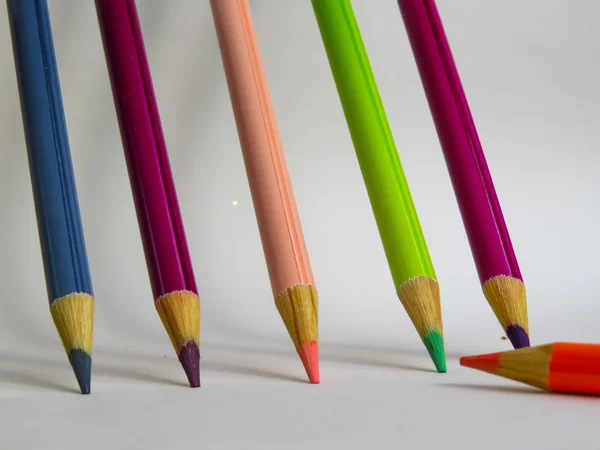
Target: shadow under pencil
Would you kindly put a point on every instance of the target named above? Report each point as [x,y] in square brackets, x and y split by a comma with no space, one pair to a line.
[495,388]
[135,374]
[24,377]
[36,372]
[132,365]
[357,355]
[49,373]
[219,366]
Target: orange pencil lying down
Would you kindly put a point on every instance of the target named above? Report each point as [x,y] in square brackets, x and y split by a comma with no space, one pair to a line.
[560,367]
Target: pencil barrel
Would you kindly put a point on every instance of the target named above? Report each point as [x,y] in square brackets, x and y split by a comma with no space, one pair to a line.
[386,184]
[575,368]
[53,182]
[272,195]
[472,183]
[159,217]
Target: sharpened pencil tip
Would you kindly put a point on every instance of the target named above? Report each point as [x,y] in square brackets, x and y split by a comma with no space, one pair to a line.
[309,355]
[82,366]
[434,342]
[486,363]
[189,357]
[518,336]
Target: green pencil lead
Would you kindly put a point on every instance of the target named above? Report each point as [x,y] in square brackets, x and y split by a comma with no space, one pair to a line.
[434,342]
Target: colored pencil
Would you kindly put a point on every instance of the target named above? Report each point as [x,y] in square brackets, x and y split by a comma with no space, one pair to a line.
[67,273]
[159,218]
[482,217]
[560,367]
[281,234]
[395,214]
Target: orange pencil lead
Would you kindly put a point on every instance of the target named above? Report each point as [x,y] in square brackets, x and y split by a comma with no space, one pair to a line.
[486,363]
[309,355]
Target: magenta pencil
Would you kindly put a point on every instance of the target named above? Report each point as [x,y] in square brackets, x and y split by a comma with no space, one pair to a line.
[159,219]
[480,209]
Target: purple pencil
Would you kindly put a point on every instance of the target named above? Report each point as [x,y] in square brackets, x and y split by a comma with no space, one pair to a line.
[482,217]
[163,237]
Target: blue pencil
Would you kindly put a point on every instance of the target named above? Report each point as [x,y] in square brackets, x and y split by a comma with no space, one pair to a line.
[66,269]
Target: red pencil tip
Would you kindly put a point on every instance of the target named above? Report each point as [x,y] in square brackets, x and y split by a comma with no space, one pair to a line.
[189,357]
[309,355]
[486,363]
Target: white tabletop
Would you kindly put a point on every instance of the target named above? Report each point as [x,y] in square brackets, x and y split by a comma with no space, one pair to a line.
[531,74]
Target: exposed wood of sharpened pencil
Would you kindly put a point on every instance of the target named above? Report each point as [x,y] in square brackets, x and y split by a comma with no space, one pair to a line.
[287,258]
[163,236]
[66,269]
[396,217]
[560,367]
[478,203]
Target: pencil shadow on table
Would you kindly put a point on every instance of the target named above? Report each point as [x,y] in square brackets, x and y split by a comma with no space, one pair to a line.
[132,374]
[356,355]
[495,388]
[373,356]
[56,373]
[37,373]
[172,364]
[358,360]
[208,364]
[135,366]
[220,366]
[24,377]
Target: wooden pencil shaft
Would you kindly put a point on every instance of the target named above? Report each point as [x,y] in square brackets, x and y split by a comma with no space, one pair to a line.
[159,218]
[278,221]
[55,196]
[478,203]
[388,190]
[568,367]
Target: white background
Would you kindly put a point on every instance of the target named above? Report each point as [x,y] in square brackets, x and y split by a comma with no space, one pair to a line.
[530,71]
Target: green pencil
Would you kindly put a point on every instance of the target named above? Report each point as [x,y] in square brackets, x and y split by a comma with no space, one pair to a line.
[403,241]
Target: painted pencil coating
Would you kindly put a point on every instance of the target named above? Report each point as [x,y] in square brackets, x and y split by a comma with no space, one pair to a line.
[279,225]
[149,170]
[560,367]
[159,218]
[53,180]
[486,177]
[68,280]
[395,214]
[382,171]
[271,189]
[575,368]
[468,170]
[480,209]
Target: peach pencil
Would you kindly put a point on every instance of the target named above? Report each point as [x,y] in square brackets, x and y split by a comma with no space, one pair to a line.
[281,234]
